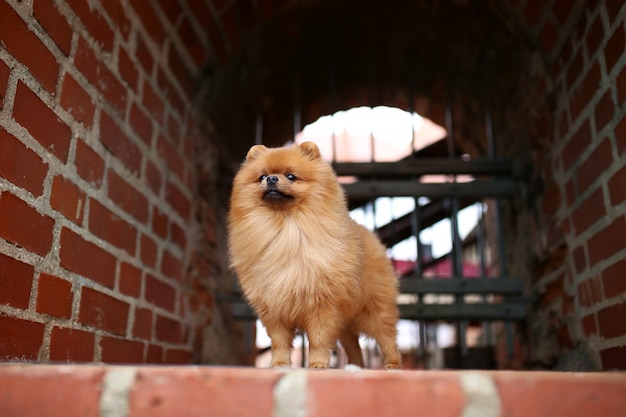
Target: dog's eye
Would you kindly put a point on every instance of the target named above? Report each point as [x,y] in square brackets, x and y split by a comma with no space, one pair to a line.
[262,177]
[291,177]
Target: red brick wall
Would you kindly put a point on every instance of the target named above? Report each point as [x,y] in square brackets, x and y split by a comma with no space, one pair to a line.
[99,219]
[578,238]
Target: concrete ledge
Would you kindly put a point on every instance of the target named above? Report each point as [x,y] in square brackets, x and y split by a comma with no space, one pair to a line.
[99,391]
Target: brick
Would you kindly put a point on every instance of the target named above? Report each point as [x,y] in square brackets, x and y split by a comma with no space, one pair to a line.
[20,165]
[152,102]
[71,345]
[178,235]
[16,279]
[172,266]
[160,223]
[86,259]
[611,321]
[110,227]
[54,296]
[583,94]
[22,225]
[100,76]
[76,101]
[589,325]
[176,199]
[160,293]
[128,71]
[620,134]
[127,198]
[620,84]
[155,354]
[551,199]
[617,187]
[181,72]
[171,10]
[119,144]
[592,168]
[579,141]
[41,122]
[144,56]
[142,327]
[26,47]
[174,129]
[191,40]
[103,311]
[168,330]
[4,79]
[171,156]
[89,165]
[614,279]
[589,212]
[148,251]
[574,71]
[67,199]
[141,124]
[54,23]
[590,292]
[178,357]
[604,111]
[158,393]
[40,390]
[166,87]
[595,34]
[115,10]
[150,20]
[94,23]
[607,242]
[544,391]
[153,177]
[130,280]
[440,396]
[580,259]
[116,350]
[612,8]
[614,47]
[21,340]
[614,358]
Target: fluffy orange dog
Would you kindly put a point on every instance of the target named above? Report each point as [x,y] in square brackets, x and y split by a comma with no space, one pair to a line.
[303,263]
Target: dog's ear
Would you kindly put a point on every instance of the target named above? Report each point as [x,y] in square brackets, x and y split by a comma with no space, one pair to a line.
[255,151]
[310,149]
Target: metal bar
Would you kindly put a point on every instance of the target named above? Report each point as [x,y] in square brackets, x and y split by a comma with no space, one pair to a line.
[491,149]
[368,190]
[489,312]
[458,285]
[404,227]
[435,166]
[416,228]
[457,260]
[480,246]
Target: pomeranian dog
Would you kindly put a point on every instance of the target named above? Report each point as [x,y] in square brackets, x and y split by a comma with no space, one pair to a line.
[303,263]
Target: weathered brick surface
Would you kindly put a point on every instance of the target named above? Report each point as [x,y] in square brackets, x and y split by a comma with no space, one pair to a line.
[85,91]
[199,391]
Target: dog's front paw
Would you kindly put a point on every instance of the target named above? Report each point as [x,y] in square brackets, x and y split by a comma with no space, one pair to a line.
[318,365]
[280,365]
[391,366]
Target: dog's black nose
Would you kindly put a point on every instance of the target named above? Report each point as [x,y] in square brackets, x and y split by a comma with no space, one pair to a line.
[272,179]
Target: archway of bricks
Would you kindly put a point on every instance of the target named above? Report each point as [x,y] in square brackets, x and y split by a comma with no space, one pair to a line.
[122,123]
